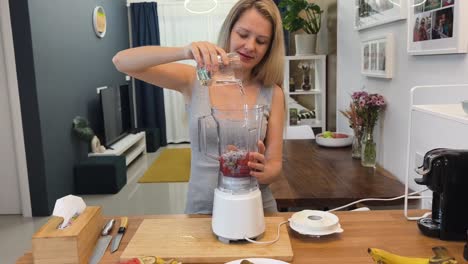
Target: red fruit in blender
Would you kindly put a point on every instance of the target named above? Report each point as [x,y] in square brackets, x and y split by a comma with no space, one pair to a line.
[244,161]
[234,162]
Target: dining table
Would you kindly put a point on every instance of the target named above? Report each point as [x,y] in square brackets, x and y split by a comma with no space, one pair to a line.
[317,177]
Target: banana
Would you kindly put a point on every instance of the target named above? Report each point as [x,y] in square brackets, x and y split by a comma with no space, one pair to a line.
[384,257]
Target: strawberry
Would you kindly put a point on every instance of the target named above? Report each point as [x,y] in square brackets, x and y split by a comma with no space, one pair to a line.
[244,161]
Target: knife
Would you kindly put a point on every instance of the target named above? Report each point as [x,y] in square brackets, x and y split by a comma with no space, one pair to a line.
[102,243]
[120,233]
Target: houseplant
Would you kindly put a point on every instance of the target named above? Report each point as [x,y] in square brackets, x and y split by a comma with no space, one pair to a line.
[302,15]
[84,132]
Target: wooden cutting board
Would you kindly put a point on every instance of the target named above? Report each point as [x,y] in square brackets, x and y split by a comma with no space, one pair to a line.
[191,240]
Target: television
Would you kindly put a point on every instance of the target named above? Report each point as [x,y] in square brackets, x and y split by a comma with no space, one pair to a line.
[116,113]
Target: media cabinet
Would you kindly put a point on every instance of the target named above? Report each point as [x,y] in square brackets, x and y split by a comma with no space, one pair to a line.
[130,146]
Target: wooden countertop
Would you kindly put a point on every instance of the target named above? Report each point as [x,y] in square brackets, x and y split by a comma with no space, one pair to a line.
[386,229]
[319,177]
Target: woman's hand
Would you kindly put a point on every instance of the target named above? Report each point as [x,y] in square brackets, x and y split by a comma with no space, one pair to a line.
[206,54]
[265,172]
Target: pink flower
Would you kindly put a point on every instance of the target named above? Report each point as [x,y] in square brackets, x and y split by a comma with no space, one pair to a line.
[357,95]
[362,103]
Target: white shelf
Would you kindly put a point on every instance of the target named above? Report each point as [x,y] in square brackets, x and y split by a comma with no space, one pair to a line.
[306,57]
[130,146]
[452,112]
[316,96]
[436,120]
[301,92]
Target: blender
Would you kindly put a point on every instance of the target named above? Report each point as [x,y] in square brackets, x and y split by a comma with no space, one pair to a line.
[237,205]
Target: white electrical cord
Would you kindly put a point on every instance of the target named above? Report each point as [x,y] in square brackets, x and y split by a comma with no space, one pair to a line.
[377,199]
[271,241]
[339,208]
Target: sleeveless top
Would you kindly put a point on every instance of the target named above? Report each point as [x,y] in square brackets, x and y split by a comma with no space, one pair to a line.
[203,169]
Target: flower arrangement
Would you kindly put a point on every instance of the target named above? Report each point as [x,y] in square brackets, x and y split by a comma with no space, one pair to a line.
[370,105]
[362,115]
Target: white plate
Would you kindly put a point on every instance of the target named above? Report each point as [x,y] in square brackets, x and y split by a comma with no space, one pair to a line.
[259,261]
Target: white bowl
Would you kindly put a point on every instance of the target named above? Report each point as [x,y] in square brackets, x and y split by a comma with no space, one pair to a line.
[334,142]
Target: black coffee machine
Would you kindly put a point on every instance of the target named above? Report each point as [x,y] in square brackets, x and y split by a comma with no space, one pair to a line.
[445,172]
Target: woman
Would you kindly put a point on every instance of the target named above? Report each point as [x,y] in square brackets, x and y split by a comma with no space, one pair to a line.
[422,30]
[253,29]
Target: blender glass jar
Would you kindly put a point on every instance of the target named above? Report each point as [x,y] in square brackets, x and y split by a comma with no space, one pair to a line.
[238,130]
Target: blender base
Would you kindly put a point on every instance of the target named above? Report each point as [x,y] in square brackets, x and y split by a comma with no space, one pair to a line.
[237,216]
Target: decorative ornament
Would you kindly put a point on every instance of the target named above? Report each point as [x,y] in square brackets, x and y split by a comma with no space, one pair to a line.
[99,21]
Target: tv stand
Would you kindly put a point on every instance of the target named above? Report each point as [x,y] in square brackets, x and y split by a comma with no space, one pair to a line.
[130,146]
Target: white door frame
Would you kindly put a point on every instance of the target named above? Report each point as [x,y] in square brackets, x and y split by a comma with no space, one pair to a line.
[6,36]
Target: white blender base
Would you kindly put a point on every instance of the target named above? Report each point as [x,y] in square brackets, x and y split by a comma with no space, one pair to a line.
[237,216]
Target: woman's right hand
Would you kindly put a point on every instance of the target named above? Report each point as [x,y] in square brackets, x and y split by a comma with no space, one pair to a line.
[206,54]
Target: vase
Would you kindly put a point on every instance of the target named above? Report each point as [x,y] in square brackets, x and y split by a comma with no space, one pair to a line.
[368,149]
[356,146]
[305,67]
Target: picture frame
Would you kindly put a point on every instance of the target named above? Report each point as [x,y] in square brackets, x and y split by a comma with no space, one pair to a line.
[370,13]
[377,55]
[437,27]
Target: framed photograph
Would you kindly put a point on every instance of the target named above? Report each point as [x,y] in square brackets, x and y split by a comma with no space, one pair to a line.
[377,56]
[437,27]
[370,13]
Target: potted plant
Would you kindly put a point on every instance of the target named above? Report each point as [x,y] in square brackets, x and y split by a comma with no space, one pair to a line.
[300,14]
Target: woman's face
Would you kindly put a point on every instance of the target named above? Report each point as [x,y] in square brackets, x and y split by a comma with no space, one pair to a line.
[250,37]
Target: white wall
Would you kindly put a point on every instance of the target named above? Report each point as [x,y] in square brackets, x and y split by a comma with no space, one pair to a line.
[409,71]
[14,187]
[9,190]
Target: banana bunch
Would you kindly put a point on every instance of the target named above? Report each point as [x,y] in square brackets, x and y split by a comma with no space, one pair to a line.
[384,257]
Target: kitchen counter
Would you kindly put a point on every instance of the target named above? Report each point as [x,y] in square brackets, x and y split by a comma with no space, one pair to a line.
[385,229]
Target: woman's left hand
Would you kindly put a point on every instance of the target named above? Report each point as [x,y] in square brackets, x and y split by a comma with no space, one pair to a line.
[259,166]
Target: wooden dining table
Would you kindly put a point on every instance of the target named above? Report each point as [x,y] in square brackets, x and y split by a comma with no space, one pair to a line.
[318,177]
[384,229]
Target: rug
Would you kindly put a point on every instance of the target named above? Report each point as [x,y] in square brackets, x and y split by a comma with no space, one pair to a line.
[172,165]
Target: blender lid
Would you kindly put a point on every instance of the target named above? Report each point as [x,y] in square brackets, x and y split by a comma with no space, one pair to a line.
[315,223]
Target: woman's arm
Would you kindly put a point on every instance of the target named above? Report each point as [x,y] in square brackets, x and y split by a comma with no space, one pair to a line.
[156,65]
[269,165]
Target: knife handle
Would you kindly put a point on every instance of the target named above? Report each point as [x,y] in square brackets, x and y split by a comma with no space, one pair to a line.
[107,227]
[123,224]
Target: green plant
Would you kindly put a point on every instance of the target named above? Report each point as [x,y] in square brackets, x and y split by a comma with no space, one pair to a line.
[82,129]
[292,21]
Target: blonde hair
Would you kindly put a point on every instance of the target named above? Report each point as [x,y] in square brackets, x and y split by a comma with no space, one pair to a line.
[269,70]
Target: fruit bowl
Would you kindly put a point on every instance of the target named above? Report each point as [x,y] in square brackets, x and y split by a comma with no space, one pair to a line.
[335,141]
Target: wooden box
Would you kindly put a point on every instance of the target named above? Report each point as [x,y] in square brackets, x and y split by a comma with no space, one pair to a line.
[74,244]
